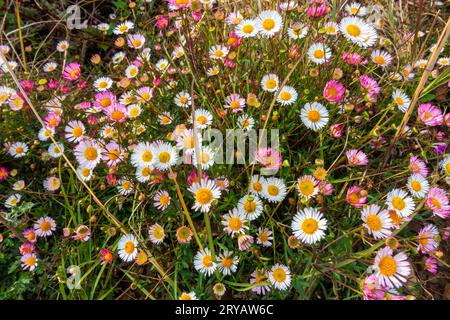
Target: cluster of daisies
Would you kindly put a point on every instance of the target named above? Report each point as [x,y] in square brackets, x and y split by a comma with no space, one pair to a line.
[108,137]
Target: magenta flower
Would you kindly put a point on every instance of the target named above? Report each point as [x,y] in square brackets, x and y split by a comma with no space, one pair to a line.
[430,115]
[82,233]
[334,91]
[438,202]
[317,10]
[52,120]
[371,290]
[352,58]
[106,256]
[431,265]
[427,237]
[336,130]
[117,112]
[104,99]
[27,248]
[27,85]
[3,173]
[162,22]
[356,196]
[417,166]
[370,85]
[356,157]
[72,71]
[269,158]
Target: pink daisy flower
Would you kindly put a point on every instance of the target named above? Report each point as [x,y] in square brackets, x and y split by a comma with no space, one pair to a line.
[26,248]
[356,157]
[438,202]
[370,85]
[3,173]
[30,234]
[428,236]
[106,256]
[235,102]
[334,91]
[431,265]
[104,99]
[44,226]
[269,158]
[356,196]
[72,71]
[430,115]
[417,166]
[117,112]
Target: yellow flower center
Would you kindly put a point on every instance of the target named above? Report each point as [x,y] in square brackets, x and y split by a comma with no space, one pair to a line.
[250,206]
[113,154]
[202,120]
[45,226]
[273,190]
[204,196]
[147,156]
[164,157]
[398,203]
[137,43]
[310,225]
[353,30]
[77,132]
[90,153]
[387,266]
[416,186]
[318,54]
[279,275]
[268,24]
[306,187]
[129,247]
[399,101]
[218,53]
[248,29]
[19,149]
[235,224]
[313,115]
[235,104]
[207,261]
[257,186]
[103,85]
[271,84]
[31,261]
[117,115]
[227,262]
[183,100]
[380,60]
[374,222]
[285,96]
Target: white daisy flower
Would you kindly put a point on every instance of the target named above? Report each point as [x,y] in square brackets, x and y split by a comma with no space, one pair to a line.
[203,118]
[245,122]
[88,153]
[287,96]
[218,52]
[162,64]
[156,233]
[204,193]
[125,186]
[227,263]
[204,262]
[50,66]
[298,32]
[84,173]
[206,157]
[280,277]
[274,189]
[377,222]
[183,99]
[270,82]
[381,58]
[45,133]
[165,155]
[235,223]
[399,201]
[143,174]
[161,200]
[309,226]
[247,28]
[56,150]
[269,22]
[401,100]
[256,185]
[251,206]
[418,186]
[314,116]
[331,28]
[131,71]
[13,200]
[143,155]
[358,31]
[134,111]
[319,53]
[355,8]
[75,131]
[62,46]
[103,83]
[44,226]
[127,247]
[123,27]
[18,149]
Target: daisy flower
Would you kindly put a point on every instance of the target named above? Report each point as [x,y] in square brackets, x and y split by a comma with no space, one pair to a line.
[314,116]
[103,83]
[162,64]
[104,99]
[430,115]
[131,71]
[280,277]
[401,100]
[143,174]
[52,184]
[399,201]
[29,261]
[165,155]
[247,28]
[88,153]
[134,111]
[143,155]
[445,165]
[186,141]
[428,239]
[297,32]
[227,263]
[269,22]
[13,200]
[219,289]
[269,158]
[204,193]
[178,52]
[62,46]
[156,233]
[287,96]
[188,296]
[184,234]
[144,94]
[206,158]
[183,99]
[235,102]
[82,233]
[50,66]
[256,185]
[74,131]
[161,200]
[18,149]
[44,226]
[331,28]
[118,57]
[84,173]
[235,222]
[319,53]
[356,157]
[27,248]
[245,241]
[270,82]
[443,62]
[106,256]
[165,118]
[358,31]
[136,41]
[234,18]
[355,8]
[274,189]
[333,91]
[407,72]
[417,166]
[308,225]
[55,150]
[307,187]
[123,27]
[438,202]
[18,185]
[251,206]
[125,186]
[204,262]
[103,27]
[418,186]
[203,118]
[421,63]
[377,221]
[72,71]
[127,247]
[218,52]
[391,271]
[259,281]
[245,122]
[381,58]
[213,71]
[264,237]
